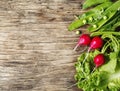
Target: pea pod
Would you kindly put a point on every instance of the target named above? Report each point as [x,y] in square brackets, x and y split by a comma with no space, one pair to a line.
[89,3]
[89,16]
[100,23]
[97,10]
[110,12]
[112,24]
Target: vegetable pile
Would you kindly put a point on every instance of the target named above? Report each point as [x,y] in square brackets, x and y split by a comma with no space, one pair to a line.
[98,69]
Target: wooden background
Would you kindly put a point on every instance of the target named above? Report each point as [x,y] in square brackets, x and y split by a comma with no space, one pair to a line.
[36,49]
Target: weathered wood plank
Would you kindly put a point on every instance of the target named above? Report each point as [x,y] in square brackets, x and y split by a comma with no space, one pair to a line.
[36,49]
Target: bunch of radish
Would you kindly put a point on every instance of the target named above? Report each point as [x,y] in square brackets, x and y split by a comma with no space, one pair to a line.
[93,43]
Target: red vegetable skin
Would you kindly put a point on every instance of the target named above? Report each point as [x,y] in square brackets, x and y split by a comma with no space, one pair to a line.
[96,43]
[99,60]
[83,40]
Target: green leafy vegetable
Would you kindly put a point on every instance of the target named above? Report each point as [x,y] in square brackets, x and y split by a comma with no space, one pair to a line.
[106,77]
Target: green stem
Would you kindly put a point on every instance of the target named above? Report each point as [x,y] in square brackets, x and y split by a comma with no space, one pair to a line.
[106,45]
[101,33]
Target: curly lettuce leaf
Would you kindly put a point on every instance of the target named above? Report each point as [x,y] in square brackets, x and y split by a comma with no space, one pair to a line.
[105,78]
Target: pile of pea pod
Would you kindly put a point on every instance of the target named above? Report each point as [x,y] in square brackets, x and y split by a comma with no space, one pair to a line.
[103,15]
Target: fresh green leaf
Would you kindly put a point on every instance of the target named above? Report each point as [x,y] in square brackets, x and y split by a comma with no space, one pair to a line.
[111,64]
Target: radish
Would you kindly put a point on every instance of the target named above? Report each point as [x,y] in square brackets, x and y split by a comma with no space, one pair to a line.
[83,40]
[96,43]
[99,60]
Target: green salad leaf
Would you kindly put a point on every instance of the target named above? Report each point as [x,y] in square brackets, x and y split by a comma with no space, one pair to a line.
[111,64]
[104,78]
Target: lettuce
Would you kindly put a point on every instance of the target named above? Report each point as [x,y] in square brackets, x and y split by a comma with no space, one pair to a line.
[104,78]
[101,79]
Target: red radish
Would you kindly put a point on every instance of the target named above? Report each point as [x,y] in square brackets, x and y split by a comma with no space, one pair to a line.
[99,60]
[96,43]
[83,40]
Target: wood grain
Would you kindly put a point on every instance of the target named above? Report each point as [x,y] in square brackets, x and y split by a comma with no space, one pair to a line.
[36,49]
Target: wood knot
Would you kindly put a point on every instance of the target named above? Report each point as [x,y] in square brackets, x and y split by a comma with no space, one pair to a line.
[21,46]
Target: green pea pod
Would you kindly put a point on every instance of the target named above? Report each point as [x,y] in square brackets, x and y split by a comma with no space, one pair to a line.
[109,13]
[100,23]
[75,24]
[88,16]
[112,24]
[97,10]
[89,3]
